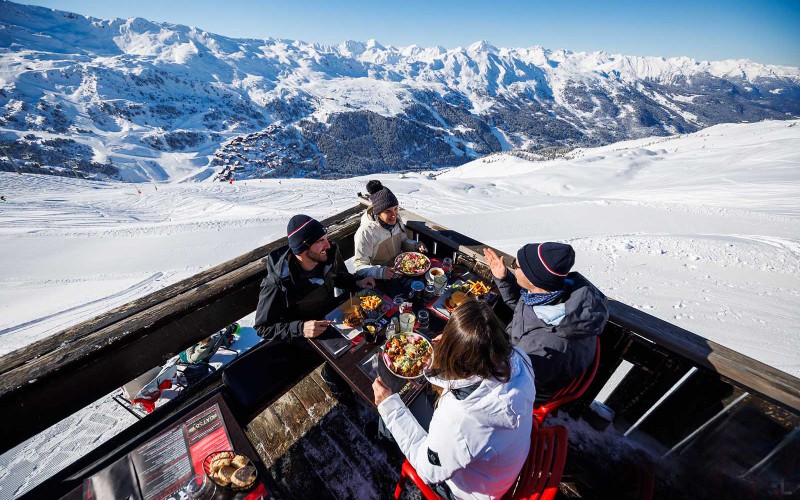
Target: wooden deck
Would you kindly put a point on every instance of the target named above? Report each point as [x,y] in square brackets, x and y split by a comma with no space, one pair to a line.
[317,447]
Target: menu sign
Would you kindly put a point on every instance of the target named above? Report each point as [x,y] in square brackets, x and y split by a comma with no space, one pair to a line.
[166,463]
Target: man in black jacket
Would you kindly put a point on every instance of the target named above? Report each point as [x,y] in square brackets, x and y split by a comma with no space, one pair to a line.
[558,314]
[299,288]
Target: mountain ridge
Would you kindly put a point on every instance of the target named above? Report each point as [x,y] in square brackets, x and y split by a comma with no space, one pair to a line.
[174,97]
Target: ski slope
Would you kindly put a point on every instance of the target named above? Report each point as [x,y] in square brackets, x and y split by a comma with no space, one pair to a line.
[701,230]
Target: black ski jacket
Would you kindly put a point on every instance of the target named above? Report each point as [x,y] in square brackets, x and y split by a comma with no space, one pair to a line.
[558,353]
[287,300]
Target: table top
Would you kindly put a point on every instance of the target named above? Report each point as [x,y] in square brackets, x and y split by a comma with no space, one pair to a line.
[359,364]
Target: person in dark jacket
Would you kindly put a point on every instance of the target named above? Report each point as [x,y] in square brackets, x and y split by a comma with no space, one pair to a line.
[299,287]
[298,292]
[557,313]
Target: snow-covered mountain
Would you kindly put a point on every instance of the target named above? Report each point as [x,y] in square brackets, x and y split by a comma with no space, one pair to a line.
[133,99]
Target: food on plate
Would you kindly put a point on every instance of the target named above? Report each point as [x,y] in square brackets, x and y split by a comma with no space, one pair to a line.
[407,354]
[455,300]
[412,263]
[219,462]
[225,474]
[370,302]
[244,476]
[230,470]
[478,287]
[240,461]
[353,317]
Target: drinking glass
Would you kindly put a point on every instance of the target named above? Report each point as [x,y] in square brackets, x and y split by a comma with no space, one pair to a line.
[407,320]
[371,331]
[430,293]
[398,300]
[447,265]
[424,319]
[199,487]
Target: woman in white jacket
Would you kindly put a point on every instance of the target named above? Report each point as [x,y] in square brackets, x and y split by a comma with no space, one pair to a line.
[382,235]
[479,436]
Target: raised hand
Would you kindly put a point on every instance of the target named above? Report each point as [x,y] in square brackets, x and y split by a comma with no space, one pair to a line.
[495,263]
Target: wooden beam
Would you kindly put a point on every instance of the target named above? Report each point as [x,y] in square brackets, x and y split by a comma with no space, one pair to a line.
[40,387]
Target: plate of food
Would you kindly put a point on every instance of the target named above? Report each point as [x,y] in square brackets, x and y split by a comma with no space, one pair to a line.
[412,263]
[407,354]
[478,287]
[371,303]
[454,300]
[230,470]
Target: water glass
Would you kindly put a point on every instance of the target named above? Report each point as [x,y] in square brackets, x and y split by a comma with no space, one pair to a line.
[199,487]
[407,320]
[423,317]
[398,300]
[447,265]
[430,293]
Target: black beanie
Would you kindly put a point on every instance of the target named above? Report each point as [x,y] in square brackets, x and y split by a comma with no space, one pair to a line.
[380,197]
[546,264]
[303,231]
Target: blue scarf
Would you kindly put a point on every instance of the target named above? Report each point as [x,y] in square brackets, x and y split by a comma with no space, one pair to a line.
[539,299]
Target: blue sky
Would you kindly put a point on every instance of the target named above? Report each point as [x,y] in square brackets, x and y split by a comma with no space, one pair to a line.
[763,31]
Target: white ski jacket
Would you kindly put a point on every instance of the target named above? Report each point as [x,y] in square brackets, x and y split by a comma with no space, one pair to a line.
[376,247]
[477,441]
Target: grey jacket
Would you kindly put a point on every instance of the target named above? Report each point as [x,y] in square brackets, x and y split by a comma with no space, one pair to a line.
[559,352]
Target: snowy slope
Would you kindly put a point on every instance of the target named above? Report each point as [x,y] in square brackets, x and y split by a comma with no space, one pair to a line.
[157,101]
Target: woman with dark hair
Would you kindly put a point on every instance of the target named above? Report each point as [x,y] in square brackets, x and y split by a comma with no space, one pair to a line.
[479,435]
[382,235]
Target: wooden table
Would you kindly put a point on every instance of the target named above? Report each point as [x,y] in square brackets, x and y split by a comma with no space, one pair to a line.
[349,365]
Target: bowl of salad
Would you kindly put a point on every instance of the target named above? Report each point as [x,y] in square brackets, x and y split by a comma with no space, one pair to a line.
[412,263]
[407,355]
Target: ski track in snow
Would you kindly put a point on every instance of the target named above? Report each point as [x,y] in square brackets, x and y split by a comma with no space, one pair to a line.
[701,230]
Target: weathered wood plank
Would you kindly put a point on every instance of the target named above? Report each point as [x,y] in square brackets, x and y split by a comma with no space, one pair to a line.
[295,418]
[315,400]
[270,434]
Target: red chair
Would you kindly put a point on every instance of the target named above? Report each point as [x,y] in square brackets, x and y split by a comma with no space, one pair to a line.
[541,474]
[571,392]
[538,479]
[408,472]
